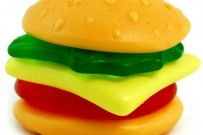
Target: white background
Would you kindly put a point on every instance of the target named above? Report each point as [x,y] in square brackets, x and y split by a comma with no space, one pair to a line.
[190,88]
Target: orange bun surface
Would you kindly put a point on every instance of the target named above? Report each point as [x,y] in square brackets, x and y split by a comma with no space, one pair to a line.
[156,123]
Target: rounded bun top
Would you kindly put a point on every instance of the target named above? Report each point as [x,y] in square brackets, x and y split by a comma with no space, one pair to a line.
[128,26]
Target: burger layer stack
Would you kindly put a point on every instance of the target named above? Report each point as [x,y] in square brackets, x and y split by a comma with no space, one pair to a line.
[100,67]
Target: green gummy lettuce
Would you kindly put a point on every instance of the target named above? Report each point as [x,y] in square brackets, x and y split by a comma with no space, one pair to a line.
[93,62]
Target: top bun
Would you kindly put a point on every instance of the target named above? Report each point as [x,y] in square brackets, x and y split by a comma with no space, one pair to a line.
[127,26]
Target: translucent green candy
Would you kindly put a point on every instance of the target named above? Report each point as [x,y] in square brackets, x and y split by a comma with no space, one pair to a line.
[93,62]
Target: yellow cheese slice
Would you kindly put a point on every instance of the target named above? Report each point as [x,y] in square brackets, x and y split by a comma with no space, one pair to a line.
[120,96]
[157,123]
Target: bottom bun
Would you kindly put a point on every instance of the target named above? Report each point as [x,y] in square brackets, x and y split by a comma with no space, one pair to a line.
[157,123]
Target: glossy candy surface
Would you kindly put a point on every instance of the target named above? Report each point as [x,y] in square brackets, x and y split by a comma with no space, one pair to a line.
[122,94]
[57,101]
[93,62]
[107,25]
[157,123]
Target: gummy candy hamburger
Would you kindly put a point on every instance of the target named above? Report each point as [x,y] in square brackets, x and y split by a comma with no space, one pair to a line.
[87,67]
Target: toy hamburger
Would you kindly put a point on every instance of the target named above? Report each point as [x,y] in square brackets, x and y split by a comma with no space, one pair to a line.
[87,67]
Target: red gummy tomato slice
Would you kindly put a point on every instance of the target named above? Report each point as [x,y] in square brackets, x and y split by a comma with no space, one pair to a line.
[54,100]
